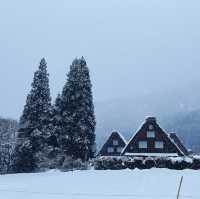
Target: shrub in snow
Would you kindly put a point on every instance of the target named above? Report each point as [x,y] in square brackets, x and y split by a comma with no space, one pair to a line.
[179,163]
[109,163]
[196,163]
[149,163]
[102,163]
[139,163]
[117,164]
[160,162]
[70,164]
[130,164]
[98,165]
[134,162]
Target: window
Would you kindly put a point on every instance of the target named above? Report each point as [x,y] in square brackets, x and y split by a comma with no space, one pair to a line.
[119,149]
[115,142]
[110,150]
[131,147]
[150,134]
[150,127]
[142,144]
[159,145]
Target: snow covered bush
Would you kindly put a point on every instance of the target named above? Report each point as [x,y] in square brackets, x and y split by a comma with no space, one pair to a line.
[129,163]
[71,164]
[109,163]
[177,163]
[149,163]
[160,162]
[196,162]
[139,163]
[117,163]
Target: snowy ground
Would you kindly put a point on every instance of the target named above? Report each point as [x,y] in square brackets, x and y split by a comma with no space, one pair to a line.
[134,184]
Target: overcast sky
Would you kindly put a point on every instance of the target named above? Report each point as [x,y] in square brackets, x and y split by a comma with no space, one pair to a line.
[132,47]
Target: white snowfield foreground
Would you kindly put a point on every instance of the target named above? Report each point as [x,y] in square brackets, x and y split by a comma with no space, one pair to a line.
[133,184]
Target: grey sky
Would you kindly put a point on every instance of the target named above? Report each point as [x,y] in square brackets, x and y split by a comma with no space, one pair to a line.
[132,47]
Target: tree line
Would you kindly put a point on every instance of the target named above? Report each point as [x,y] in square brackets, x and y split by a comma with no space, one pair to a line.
[59,134]
[8,129]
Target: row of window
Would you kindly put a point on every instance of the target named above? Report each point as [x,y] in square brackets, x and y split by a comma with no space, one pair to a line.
[150,134]
[158,144]
[142,145]
[111,149]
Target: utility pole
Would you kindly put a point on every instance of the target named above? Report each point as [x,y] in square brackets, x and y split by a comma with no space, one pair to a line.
[179,188]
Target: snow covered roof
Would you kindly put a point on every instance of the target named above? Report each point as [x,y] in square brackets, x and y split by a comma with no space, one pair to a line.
[178,143]
[150,118]
[132,137]
[119,134]
[122,137]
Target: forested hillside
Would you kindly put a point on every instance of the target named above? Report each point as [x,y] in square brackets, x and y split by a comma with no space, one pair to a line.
[187,126]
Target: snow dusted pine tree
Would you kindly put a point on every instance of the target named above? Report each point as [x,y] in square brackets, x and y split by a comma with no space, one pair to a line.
[57,119]
[77,113]
[56,154]
[34,123]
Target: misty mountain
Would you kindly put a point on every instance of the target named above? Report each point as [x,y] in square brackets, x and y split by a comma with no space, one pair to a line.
[177,111]
[187,126]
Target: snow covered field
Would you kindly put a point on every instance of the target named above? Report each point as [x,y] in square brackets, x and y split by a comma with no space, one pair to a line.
[134,184]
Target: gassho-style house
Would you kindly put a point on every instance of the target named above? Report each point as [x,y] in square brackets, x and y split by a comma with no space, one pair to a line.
[149,141]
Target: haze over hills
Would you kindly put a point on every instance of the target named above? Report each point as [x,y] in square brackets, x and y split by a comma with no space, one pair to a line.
[187,126]
[177,111]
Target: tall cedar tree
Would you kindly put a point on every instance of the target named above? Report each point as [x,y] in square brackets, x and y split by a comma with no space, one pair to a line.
[56,122]
[34,122]
[78,118]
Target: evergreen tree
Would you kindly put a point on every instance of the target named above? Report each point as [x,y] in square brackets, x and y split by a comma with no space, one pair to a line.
[57,120]
[37,109]
[34,122]
[78,119]
[56,154]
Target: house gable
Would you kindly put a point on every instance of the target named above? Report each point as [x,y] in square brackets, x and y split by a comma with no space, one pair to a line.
[113,146]
[151,140]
